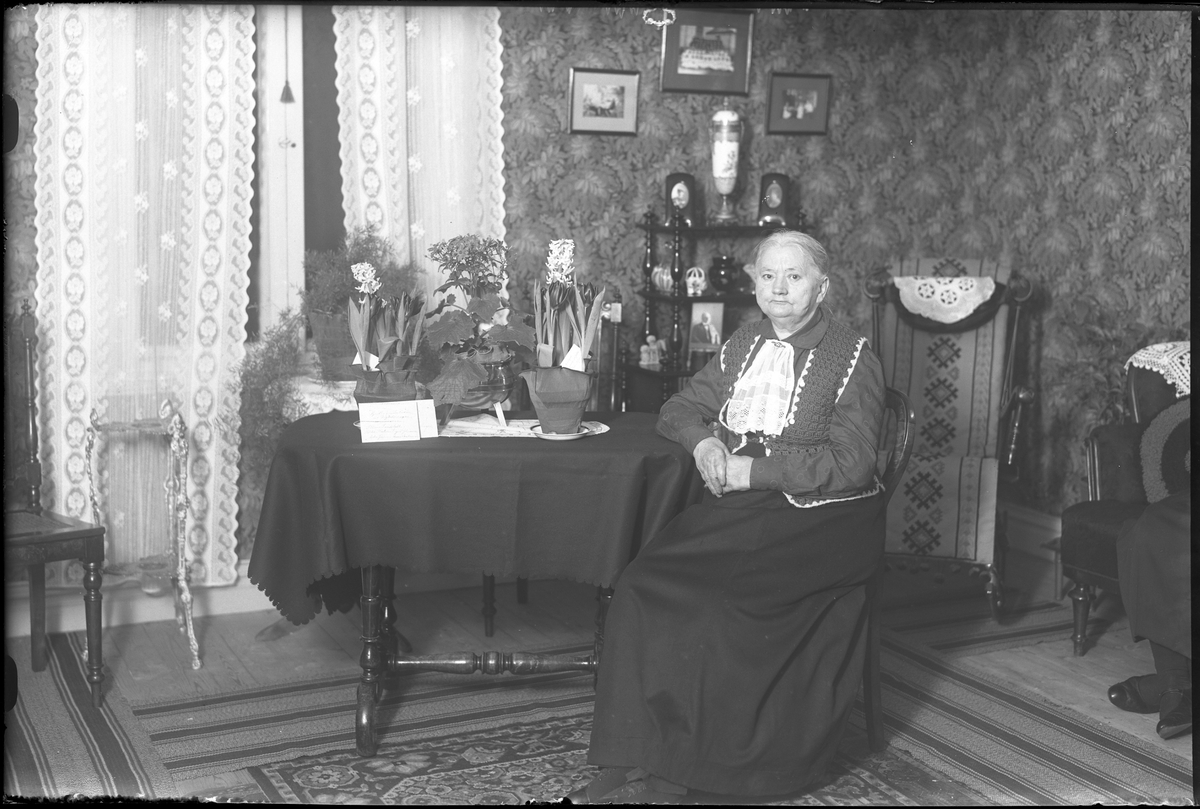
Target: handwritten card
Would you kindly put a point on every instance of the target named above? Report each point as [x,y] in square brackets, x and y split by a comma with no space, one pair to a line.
[397,421]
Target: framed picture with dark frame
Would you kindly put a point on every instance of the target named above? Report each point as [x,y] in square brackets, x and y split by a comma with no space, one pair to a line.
[603,102]
[799,104]
[707,52]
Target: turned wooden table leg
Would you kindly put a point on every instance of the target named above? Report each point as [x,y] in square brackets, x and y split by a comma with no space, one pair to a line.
[396,641]
[91,602]
[372,662]
[489,605]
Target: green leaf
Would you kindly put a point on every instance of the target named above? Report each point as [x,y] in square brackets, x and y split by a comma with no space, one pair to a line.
[484,307]
[451,328]
[511,332]
[458,377]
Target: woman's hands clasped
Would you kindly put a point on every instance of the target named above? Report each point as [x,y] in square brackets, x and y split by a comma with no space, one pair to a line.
[722,470]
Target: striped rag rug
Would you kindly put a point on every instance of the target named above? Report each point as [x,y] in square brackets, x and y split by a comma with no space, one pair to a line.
[56,744]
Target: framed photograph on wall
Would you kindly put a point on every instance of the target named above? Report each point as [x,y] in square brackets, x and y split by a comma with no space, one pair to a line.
[707,52]
[799,104]
[603,102]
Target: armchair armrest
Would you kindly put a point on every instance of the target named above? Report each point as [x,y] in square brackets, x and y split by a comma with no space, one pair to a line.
[1114,465]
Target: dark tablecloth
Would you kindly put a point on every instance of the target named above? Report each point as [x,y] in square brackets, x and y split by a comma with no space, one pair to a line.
[506,506]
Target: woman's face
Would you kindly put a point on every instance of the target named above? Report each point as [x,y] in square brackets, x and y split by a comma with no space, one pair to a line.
[788,287]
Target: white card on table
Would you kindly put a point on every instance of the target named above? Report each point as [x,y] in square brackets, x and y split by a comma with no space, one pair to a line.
[397,421]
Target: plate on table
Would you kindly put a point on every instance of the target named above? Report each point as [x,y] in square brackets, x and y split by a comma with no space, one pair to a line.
[585,429]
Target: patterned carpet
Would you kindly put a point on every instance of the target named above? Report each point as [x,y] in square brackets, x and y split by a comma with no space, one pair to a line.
[956,736]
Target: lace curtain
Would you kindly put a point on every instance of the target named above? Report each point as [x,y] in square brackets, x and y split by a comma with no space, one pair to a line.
[144,138]
[419,115]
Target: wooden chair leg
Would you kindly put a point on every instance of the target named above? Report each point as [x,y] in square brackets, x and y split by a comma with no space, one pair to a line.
[603,599]
[91,602]
[37,615]
[872,681]
[489,604]
[522,590]
[1081,598]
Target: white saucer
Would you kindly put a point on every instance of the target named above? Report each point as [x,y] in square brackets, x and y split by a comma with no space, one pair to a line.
[586,429]
[559,436]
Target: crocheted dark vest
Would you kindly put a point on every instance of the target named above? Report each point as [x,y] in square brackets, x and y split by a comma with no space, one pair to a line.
[829,367]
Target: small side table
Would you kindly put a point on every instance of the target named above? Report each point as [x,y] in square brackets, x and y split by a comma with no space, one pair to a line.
[169,425]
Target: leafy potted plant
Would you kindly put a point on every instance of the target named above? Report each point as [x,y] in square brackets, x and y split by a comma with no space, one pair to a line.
[329,284]
[478,371]
[566,319]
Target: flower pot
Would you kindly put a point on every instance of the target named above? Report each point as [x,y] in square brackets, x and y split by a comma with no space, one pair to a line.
[335,349]
[559,396]
[387,385]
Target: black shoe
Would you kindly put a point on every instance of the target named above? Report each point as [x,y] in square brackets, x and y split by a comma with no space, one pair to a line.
[1126,696]
[1175,717]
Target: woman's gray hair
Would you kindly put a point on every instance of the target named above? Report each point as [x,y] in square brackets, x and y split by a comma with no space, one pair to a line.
[807,244]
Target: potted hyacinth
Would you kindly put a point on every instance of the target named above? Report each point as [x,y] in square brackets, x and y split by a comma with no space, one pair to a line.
[566,320]
[477,348]
[386,331]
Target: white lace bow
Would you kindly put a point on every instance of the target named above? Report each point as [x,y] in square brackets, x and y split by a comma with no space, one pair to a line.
[762,396]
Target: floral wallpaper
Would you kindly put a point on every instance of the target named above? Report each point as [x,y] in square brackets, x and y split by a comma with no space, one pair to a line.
[20,81]
[1060,139]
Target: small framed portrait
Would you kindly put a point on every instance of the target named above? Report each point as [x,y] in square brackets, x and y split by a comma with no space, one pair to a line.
[707,52]
[799,104]
[603,102]
[704,333]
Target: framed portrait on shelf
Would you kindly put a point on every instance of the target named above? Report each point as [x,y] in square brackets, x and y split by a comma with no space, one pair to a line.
[704,333]
[707,51]
[603,102]
[799,104]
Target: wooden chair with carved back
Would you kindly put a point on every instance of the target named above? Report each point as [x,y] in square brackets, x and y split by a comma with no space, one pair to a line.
[1121,458]
[34,536]
[901,417]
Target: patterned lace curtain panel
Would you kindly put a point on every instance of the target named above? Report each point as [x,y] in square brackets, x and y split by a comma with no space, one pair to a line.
[145,130]
[419,116]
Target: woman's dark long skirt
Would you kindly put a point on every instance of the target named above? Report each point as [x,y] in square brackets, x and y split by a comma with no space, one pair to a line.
[735,642]
[1154,563]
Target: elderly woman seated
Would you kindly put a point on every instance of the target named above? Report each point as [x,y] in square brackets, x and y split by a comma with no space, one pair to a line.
[736,637]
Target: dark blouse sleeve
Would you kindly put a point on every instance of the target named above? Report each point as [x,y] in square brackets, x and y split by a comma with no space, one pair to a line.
[847,465]
[686,417]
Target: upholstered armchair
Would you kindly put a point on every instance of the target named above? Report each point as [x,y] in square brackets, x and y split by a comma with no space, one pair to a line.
[1128,465]
[946,331]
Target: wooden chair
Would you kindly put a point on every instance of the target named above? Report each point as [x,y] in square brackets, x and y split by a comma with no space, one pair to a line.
[33,536]
[1115,494]
[902,416]
[960,377]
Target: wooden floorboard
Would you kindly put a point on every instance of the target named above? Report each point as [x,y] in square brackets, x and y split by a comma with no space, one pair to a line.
[153,660]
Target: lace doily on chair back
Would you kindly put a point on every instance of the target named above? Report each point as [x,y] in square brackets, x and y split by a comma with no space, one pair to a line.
[946,300]
[1172,360]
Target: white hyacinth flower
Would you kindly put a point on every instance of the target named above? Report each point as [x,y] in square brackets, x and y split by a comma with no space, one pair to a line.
[560,265]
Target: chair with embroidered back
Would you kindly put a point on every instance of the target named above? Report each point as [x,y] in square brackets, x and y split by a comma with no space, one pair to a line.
[895,461]
[34,536]
[1129,465]
[946,332]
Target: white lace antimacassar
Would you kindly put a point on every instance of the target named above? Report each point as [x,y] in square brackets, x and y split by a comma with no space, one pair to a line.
[1172,360]
[946,300]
